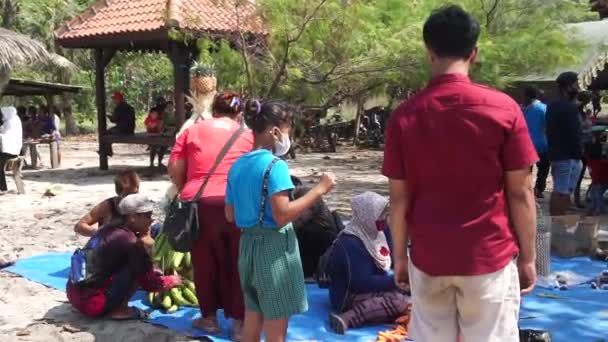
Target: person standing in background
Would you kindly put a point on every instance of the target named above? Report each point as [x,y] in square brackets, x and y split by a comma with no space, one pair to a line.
[11,141]
[586,115]
[596,102]
[472,226]
[534,112]
[564,137]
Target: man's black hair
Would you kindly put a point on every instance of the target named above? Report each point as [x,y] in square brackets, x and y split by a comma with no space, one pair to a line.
[451,32]
[531,93]
[566,79]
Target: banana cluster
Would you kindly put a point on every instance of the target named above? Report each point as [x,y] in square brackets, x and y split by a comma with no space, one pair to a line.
[172,262]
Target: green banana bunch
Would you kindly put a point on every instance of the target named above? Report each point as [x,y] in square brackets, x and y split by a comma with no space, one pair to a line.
[171,300]
[169,260]
[173,262]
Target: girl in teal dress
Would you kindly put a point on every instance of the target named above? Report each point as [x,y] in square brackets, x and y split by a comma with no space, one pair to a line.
[258,200]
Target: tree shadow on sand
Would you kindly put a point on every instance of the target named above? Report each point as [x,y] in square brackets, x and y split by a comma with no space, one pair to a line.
[64,323]
[91,175]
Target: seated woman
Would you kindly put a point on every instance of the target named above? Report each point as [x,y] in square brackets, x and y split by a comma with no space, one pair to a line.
[316,228]
[360,288]
[117,264]
[106,212]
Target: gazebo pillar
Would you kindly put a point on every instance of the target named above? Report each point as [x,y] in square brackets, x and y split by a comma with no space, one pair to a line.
[178,56]
[100,96]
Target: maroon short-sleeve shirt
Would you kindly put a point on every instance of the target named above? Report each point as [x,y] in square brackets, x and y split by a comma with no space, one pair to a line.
[453,143]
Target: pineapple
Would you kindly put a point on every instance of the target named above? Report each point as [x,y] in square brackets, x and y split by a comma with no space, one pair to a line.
[203,79]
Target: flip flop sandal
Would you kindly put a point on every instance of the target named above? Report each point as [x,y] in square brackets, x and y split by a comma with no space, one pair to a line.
[5,263]
[137,314]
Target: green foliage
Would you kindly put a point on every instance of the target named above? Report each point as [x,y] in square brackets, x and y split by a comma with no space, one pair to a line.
[325,51]
[322,52]
[202,70]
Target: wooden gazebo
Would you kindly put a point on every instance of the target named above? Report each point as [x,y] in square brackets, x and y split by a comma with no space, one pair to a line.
[110,26]
[19,88]
[592,66]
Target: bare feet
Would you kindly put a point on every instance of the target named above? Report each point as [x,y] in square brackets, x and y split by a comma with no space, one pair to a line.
[208,324]
[128,313]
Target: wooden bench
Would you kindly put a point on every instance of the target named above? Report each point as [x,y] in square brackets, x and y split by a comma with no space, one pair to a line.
[15,165]
[139,139]
[53,151]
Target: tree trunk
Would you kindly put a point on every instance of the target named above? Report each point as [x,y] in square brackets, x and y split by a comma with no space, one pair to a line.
[65,99]
[5,76]
[9,13]
[66,109]
[360,110]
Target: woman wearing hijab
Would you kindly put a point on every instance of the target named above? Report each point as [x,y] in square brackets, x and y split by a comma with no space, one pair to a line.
[11,135]
[360,289]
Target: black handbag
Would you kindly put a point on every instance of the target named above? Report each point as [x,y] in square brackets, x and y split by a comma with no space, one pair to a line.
[181,224]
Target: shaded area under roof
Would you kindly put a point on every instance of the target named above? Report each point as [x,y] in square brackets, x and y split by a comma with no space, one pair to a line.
[19,87]
[144,24]
[593,58]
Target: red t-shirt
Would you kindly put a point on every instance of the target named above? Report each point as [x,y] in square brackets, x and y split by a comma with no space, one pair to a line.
[453,143]
[199,145]
[153,124]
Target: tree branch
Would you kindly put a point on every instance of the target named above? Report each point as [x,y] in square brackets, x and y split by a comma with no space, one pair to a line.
[244,53]
[340,96]
[288,42]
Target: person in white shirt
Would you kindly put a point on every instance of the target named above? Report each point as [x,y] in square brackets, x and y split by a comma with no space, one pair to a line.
[11,136]
[57,132]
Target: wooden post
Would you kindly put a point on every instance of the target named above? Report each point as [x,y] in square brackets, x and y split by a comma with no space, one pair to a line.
[17,175]
[34,155]
[54,154]
[178,57]
[360,110]
[100,96]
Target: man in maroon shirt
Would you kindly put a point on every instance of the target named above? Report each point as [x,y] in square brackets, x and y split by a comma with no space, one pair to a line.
[458,157]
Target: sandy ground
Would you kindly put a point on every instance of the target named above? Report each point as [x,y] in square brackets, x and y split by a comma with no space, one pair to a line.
[31,224]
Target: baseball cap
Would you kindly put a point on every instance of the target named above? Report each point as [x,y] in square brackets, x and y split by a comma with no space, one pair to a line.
[567,78]
[135,204]
[117,96]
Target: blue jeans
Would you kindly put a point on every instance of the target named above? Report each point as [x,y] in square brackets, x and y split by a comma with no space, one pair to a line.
[565,175]
[597,197]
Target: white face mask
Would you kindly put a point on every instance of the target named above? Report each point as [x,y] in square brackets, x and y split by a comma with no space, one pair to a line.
[281,147]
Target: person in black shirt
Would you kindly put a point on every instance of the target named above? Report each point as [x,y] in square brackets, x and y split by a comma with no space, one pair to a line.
[565,143]
[316,229]
[124,118]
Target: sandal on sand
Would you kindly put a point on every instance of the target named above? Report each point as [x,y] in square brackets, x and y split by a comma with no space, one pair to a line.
[337,324]
[206,324]
[136,315]
[5,263]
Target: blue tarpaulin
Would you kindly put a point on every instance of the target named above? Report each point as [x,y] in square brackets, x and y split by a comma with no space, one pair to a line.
[577,314]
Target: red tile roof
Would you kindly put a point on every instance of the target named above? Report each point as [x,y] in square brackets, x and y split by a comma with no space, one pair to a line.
[115,17]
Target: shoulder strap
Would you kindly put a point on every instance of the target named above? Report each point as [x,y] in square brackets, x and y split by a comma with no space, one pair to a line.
[265,191]
[218,160]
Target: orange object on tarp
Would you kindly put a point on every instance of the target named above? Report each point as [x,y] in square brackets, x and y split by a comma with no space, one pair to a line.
[400,332]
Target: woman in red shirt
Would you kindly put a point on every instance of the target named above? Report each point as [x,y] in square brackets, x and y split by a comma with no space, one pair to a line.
[215,254]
